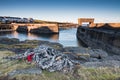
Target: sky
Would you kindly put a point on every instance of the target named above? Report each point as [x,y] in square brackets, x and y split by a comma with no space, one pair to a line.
[62,10]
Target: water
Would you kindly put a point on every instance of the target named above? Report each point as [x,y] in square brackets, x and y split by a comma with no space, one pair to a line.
[66,37]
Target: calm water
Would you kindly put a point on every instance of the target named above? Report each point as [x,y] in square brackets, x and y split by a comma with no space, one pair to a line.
[65,37]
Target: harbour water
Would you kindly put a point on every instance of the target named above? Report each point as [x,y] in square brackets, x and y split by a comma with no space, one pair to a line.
[67,37]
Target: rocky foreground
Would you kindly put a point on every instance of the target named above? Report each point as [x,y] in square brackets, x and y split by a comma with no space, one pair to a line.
[90,64]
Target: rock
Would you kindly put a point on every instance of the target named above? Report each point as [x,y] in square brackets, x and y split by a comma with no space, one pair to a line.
[5,40]
[0,72]
[98,53]
[75,49]
[18,50]
[112,57]
[94,60]
[110,63]
[47,58]
[55,45]
[105,37]
[77,53]
[20,47]
[97,57]
[42,30]
[22,29]
[25,71]
[85,54]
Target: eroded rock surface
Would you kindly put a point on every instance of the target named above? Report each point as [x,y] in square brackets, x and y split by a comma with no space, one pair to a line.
[105,37]
[93,57]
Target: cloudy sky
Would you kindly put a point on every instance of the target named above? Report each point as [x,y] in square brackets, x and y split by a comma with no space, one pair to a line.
[63,10]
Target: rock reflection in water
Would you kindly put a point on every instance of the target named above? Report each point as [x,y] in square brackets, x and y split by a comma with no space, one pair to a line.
[44,36]
[67,37]
[30,36]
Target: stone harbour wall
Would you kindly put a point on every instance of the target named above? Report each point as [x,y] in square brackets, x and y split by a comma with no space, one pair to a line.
[37,28]
[31,27]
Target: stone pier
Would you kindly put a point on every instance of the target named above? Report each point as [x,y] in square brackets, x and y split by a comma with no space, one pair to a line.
[30,26]
[92,24]
[81,20]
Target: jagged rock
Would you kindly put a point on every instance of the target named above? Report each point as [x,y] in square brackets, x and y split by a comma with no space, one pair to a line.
[94,60]
[105,37]
[98,53]
[47,58]
[112,57]
[85,54]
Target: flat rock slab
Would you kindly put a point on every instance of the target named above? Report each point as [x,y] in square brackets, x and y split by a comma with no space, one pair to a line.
[26,71]
[97,53]
[78,53]
[86,53]
[110,63]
